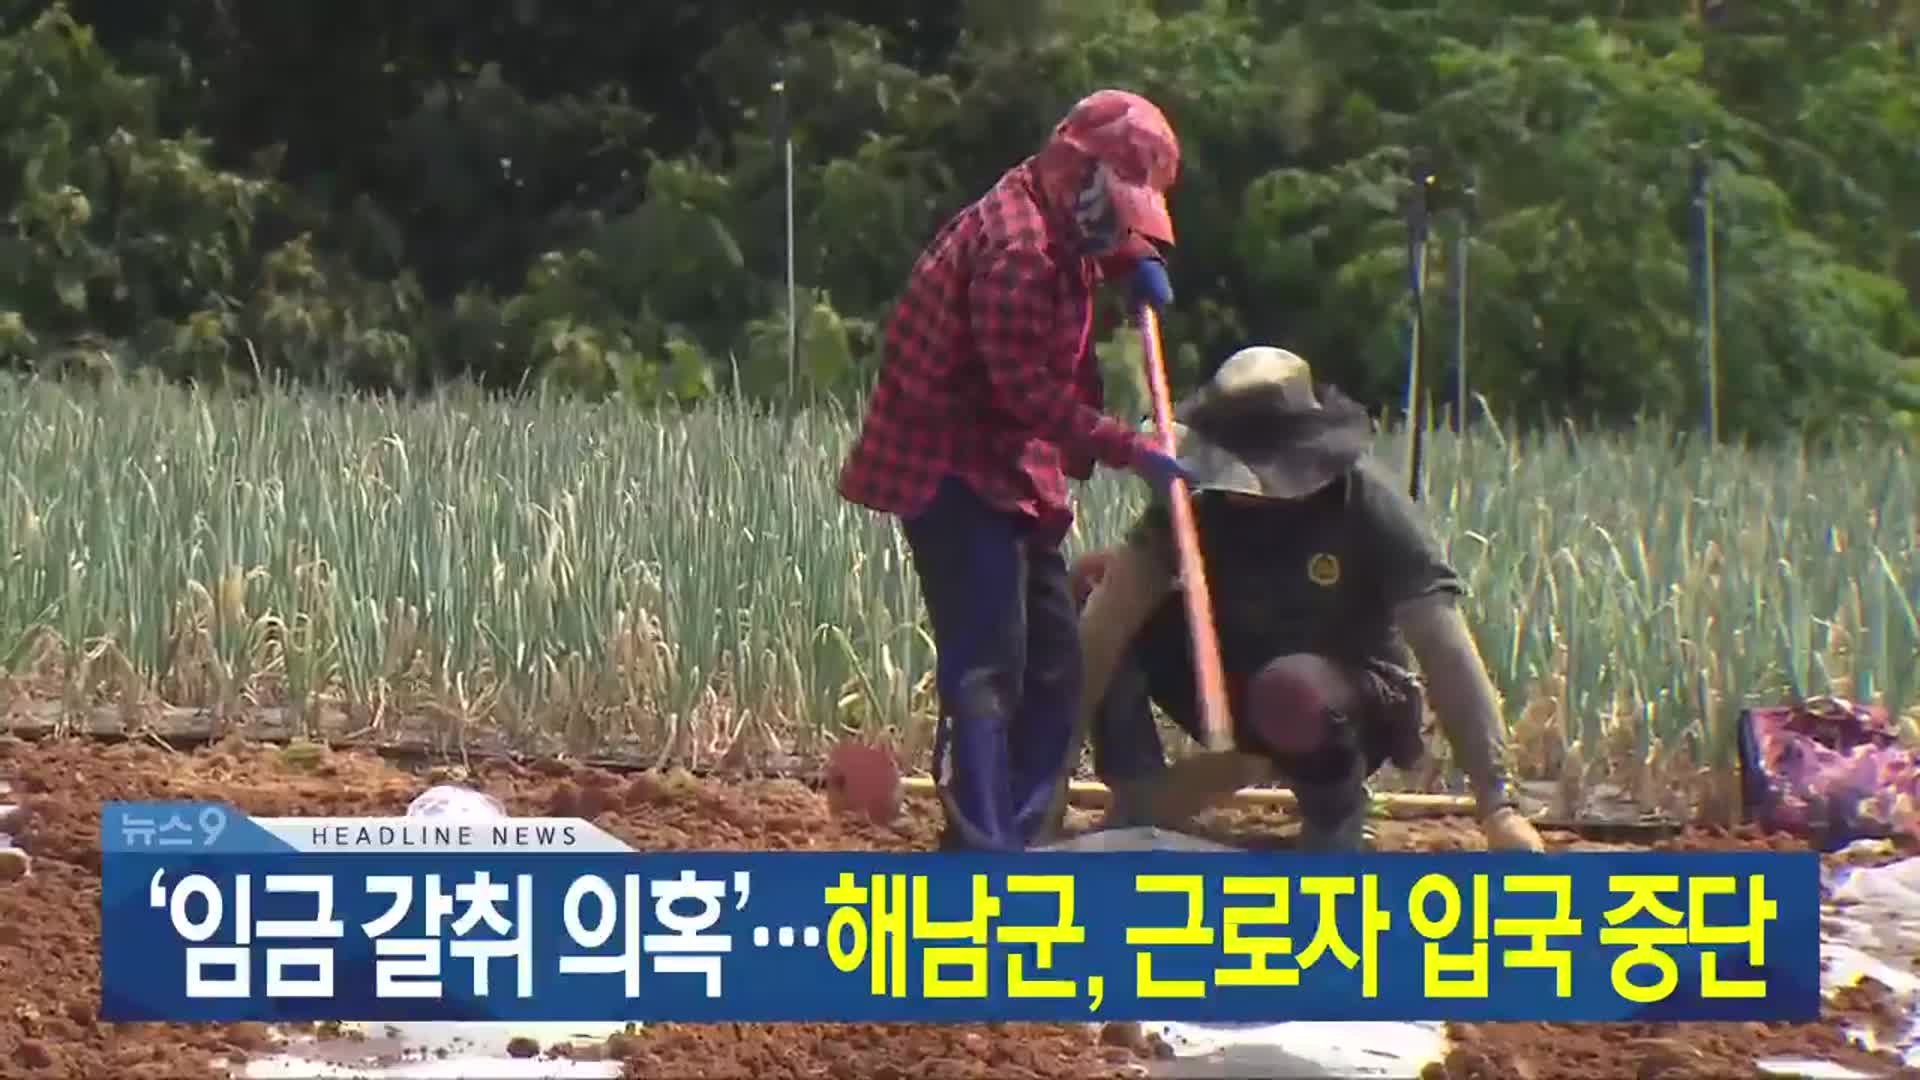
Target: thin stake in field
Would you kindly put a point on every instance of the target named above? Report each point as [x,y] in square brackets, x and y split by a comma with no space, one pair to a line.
[1206,649]
[783,138]
[1422,179]
[1705,285]
[1466,219]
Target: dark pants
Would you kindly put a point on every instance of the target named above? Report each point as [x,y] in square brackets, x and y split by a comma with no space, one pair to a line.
[1330,781]
[1008,667]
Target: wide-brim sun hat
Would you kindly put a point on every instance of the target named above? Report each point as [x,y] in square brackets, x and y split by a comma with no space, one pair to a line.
[1262,427]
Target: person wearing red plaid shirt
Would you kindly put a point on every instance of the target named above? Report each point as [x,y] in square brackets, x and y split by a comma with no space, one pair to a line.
[989,397]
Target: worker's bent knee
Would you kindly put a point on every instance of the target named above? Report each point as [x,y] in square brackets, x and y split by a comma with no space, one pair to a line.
[1294,702]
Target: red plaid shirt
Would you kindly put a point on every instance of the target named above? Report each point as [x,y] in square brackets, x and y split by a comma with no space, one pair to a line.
[989,373]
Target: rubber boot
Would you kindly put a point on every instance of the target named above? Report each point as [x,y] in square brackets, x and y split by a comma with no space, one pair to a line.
[970,771]
[1335,803]
[1342,834]
[1042,747]
[1126,810]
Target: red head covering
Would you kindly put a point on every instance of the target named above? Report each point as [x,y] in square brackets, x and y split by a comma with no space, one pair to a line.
[1131,137]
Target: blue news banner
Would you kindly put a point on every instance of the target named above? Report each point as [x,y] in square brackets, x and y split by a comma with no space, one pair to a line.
[208,914]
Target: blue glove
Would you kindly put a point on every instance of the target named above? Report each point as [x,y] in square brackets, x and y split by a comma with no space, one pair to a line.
[1151,286]
[1159,468]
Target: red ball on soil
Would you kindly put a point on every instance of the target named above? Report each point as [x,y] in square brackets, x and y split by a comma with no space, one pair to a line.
[864,781]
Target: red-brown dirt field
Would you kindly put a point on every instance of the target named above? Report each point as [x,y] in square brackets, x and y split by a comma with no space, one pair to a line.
[49,926]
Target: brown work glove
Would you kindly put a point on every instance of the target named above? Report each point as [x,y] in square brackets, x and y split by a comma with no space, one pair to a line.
[1507,830]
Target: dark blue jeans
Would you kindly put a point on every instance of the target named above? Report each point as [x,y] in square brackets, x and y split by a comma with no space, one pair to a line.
[1008,667]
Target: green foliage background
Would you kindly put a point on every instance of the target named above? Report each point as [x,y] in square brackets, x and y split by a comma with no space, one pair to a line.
[590,196]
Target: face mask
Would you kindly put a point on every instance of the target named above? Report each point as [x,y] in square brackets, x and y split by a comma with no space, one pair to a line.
[1094,213]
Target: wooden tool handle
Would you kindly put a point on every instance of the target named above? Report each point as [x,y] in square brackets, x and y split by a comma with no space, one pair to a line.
[1206,648]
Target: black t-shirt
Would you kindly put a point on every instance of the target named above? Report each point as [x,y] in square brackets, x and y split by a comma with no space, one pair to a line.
[1321,574]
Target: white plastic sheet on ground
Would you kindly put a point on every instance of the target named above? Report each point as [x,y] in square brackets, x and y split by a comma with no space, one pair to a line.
[417,1051]
[408,1051]
[1300,1048]
[1293,1048]
[1871,928]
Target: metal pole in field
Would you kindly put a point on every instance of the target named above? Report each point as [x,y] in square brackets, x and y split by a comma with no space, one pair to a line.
[1463,244]
[1707,285]
[1422,178]
[784,138]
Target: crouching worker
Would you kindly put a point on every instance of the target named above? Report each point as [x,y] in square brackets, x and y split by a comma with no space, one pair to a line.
[989,399]
[1321,575]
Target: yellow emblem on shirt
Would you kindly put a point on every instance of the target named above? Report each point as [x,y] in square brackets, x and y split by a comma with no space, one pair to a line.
[1323,570]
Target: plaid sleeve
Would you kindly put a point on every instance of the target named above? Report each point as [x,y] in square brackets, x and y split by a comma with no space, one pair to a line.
[1015,328]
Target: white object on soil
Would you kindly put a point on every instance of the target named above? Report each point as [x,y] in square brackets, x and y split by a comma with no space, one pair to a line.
[1301,1048]
[419,1051]
[1811,1069]
[14,862]
[451,801]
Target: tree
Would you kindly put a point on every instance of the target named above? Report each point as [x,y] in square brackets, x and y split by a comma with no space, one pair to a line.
[593,195]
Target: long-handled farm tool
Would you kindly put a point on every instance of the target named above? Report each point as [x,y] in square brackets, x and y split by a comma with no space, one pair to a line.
[1211,681]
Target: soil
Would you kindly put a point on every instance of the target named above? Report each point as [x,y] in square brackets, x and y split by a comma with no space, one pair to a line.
[49,962]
